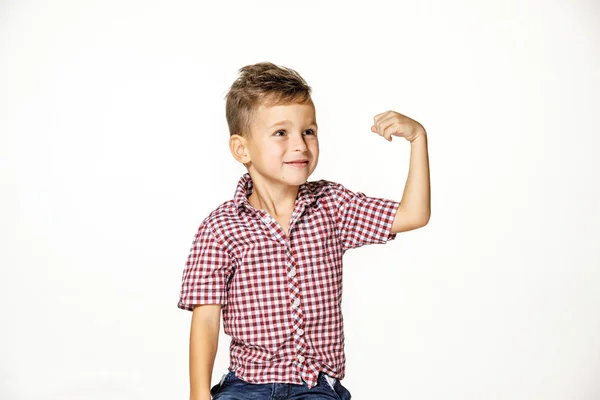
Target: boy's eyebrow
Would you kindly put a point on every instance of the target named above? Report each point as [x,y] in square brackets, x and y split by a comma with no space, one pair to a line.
[287,121]
[284,122]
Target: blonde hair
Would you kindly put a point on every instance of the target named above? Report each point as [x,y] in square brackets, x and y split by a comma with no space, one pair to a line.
[262,84]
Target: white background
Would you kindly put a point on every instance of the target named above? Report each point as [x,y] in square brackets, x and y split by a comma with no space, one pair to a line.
[113,149]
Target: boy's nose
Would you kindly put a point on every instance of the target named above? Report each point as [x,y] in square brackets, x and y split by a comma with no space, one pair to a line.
[298,144]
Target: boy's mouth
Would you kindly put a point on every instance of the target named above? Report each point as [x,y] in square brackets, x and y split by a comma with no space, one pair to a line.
[298,163]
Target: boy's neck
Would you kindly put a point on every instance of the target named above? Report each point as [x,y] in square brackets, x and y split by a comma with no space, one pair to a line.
[277,200]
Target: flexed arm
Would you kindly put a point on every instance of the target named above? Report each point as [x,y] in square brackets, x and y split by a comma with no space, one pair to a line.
[415,207]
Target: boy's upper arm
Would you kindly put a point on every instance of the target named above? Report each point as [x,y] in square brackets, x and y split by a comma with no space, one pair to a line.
[363,220]
[207,271]
[207,312]
[405,221]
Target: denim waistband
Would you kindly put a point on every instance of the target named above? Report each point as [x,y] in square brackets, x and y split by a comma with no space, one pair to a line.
[330,379]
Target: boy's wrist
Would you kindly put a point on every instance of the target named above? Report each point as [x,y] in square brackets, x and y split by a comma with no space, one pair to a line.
[421,136]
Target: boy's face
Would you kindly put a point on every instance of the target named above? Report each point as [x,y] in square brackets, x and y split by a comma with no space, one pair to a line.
[283,146]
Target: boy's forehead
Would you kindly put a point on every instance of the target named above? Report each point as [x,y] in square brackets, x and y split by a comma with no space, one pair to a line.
[266,113]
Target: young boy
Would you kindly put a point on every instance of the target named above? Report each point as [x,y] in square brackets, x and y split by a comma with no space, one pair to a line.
[270,259]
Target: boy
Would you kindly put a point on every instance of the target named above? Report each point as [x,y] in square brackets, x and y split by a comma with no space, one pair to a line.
[271,258]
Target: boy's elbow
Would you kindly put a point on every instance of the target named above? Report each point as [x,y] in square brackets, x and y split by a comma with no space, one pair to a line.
[420,219]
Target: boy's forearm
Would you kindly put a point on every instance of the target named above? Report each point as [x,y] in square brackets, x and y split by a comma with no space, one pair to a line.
[204,338]
[416,199]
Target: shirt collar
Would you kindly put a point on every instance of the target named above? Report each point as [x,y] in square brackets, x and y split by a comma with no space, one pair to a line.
[306,192]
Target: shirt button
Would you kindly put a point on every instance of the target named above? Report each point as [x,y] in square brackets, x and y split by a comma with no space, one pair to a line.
[292,273]
[300,331]
[300,358]
[296,302]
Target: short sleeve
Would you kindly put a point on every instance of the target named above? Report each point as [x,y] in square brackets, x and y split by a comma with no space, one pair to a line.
[207,272]
[363,220]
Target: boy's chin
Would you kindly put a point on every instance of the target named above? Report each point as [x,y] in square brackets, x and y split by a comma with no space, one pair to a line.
[296,179]
[292,178]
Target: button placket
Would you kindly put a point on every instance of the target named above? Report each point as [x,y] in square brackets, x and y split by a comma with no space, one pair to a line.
[294,292]
[296,310]
[273,227]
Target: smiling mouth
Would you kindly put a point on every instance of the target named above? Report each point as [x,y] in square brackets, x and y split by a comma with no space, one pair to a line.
[297,163]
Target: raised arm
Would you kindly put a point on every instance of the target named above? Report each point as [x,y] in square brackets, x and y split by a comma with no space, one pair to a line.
[415,207]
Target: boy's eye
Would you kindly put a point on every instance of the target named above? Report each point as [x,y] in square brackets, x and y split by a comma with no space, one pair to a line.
[283,132]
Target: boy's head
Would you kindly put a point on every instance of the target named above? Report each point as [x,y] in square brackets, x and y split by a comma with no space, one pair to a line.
[272,124]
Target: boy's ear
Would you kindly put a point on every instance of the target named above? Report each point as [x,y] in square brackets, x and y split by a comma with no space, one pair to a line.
[238,146]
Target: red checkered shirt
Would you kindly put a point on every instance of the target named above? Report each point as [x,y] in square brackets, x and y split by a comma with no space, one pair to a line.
[281,294]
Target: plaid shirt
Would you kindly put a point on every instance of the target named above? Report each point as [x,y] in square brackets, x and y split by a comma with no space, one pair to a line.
[281,294]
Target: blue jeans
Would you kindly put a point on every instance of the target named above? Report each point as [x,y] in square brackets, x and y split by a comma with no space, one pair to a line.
[233,388]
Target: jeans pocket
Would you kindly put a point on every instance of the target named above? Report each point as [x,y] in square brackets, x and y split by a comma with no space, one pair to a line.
[330,386]
[341,391]
[217,388]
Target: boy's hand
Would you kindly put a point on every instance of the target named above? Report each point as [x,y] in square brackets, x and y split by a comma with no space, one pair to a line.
[391,123]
